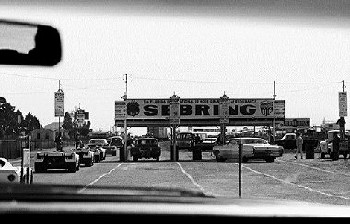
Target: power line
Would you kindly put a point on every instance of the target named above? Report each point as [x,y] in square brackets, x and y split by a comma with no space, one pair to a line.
[56,79]
[160,79]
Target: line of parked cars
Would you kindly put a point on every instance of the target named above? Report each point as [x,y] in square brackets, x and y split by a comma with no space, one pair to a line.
[71,159]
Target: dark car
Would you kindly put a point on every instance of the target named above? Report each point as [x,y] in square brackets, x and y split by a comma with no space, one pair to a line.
[145,148]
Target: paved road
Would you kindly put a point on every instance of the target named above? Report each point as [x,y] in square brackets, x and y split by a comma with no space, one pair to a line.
[310,180]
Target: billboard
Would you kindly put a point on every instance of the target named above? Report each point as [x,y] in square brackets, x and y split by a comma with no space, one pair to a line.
[59,104]
[296,123]
[343,107]
[205,111]
[119,110]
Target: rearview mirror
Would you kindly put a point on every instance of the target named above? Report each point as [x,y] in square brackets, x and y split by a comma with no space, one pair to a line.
[29,44]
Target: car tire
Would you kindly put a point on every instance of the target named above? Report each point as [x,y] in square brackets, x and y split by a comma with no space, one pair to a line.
[244,159]
[72,168]
[97,159]
[345,155]
[31,177]
[39,168]
[220,159]
[270,160]
[90,163]
[323,155]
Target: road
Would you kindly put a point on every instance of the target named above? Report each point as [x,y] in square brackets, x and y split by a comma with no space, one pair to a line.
[309,180]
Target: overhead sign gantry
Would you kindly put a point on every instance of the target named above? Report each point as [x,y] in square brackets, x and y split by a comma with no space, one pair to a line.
[203,112]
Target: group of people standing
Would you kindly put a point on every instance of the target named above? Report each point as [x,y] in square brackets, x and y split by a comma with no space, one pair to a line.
[300,142]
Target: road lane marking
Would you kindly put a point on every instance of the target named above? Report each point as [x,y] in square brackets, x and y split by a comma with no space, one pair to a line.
[298,185]
[97,179]
[194,182]
[315,168]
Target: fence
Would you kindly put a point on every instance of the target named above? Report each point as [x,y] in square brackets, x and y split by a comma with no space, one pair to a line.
[10,149]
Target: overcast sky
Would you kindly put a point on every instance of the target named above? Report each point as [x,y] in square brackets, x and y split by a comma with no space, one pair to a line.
[195,57]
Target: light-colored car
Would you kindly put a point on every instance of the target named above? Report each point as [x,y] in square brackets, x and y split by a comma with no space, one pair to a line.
[12,174]
[86,156]
[67,159]
[252,148]
[326,146]
[97,152]
[101,143]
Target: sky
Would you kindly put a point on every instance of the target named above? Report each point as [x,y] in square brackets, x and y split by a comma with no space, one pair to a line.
[195,57]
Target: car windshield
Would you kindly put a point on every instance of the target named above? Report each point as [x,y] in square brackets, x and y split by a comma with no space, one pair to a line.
[156,72]
[116,141]
[251,141]
[146,142]
[97,142]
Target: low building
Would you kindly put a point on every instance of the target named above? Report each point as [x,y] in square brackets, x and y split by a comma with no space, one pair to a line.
[43,138]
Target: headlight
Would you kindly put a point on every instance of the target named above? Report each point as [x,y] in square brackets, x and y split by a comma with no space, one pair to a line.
[11,177]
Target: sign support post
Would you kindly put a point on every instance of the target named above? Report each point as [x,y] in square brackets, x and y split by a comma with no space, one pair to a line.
[59,111]
[343,112]
[224,116]
[174,121]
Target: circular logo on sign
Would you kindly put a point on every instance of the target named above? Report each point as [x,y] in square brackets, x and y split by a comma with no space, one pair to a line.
[132,108]
[266,107]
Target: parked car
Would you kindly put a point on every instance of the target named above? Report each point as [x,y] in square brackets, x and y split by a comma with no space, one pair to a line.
[252,148]
[207,144]
[102,143]
[288,141]
[86,156]
[12,174]
[145,148]
[185,140]
[67,159]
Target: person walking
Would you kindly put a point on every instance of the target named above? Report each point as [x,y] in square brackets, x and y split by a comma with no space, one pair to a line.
[299,144]
[335,142]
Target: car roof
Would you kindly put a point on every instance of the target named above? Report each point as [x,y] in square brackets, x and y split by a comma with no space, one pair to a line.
[247,138]
[146,138]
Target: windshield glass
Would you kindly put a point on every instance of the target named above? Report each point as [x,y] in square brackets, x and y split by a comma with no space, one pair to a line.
[98,141]
[251,141]
[168,72]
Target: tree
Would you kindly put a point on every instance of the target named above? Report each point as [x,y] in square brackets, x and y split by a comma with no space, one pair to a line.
[85,129]
[69,126]
[30,123]
[67,122]
[8,119]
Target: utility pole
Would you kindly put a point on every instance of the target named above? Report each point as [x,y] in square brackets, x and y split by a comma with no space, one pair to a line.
[59,117]
[125,156]
[342,112]
[274,119]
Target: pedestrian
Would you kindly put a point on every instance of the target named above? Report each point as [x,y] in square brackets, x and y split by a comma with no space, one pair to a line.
[197,139]
[58,141]
[335,143]
[271,139]
[299,145]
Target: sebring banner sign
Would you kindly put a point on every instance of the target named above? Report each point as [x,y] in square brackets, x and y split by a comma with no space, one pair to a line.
[205,110]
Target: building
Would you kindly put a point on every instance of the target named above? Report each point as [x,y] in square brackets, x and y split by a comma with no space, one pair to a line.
[42,138]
